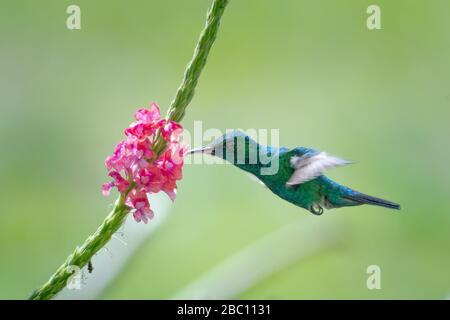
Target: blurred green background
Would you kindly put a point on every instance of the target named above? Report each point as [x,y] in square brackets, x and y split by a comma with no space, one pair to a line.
[309,68]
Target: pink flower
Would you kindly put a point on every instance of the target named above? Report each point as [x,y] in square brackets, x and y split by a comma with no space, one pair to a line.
[169,167]
[140,130]
[170,188]
[106,188]
[133,163]
[150,179]
[149,115]
[139,202]
[171,130]
[119,182]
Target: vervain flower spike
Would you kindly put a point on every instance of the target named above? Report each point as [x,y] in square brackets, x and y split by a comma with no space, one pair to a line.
[137,170]
[144,162]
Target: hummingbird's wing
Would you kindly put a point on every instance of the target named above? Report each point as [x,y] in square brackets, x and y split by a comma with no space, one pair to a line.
[311,165]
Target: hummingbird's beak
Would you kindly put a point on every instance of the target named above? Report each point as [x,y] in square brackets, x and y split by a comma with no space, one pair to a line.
[206,149]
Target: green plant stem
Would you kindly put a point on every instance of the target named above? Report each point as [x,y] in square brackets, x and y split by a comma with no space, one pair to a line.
[82,255]
[186,91]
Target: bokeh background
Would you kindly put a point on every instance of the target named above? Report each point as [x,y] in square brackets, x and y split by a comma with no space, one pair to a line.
[309,68]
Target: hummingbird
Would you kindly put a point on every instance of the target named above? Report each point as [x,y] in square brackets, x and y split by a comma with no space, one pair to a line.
[295,175]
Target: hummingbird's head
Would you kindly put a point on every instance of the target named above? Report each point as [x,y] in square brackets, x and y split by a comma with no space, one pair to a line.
[232,146]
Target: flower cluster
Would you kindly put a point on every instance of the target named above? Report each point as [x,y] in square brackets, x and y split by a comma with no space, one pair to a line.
[135,168]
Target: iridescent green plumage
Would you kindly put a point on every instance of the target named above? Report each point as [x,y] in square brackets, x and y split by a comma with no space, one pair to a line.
[294,175]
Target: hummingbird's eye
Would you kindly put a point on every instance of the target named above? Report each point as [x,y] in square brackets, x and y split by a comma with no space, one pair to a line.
[213,152]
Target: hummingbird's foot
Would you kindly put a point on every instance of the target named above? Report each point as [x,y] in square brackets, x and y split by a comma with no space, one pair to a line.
[316,209]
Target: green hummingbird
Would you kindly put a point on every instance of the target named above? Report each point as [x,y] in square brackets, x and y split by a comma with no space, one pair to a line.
[295,175]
